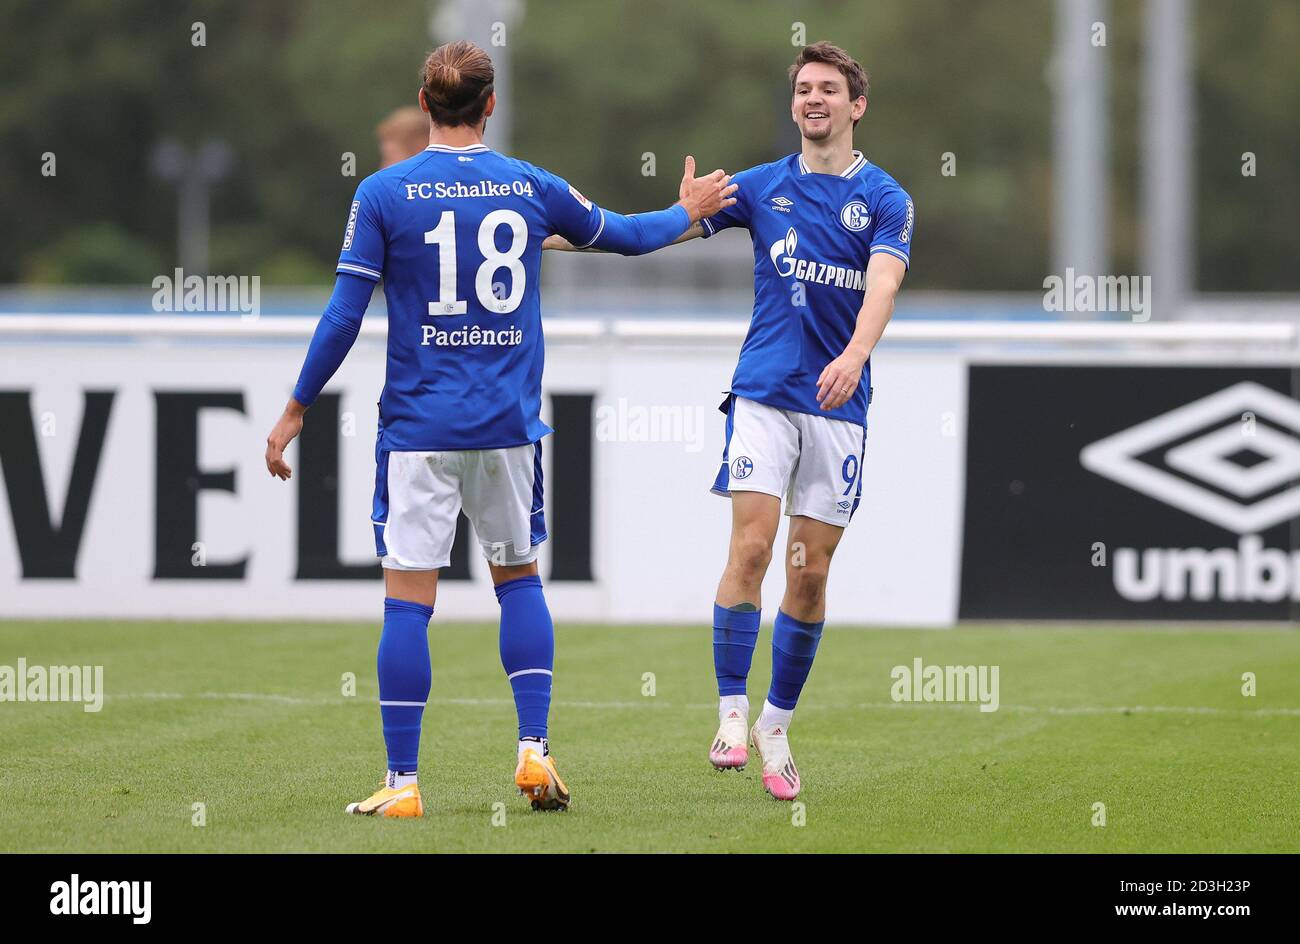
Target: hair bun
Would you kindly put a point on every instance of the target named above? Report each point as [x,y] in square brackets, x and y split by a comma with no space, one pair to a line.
[448,74]
[457,77]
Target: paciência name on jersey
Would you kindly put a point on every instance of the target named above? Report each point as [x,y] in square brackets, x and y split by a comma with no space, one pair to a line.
[470,336]
[457,190]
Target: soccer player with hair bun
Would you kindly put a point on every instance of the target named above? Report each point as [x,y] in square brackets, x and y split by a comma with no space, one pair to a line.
[456,234]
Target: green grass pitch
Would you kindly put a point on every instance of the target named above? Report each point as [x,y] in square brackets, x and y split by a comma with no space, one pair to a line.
[249,719]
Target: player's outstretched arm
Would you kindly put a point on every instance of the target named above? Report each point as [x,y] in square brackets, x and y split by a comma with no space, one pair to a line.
[334,336]
[840,378]
[560,244]
[640,233]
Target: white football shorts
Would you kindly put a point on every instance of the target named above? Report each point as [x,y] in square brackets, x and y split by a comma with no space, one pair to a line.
[418,496]
[814,462]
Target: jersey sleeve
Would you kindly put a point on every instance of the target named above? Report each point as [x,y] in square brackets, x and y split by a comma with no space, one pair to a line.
[568,212]
[363,238]
[738,214]
[335,333]
[640,233]
[895,217]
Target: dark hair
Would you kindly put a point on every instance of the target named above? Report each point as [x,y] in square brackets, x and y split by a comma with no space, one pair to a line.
[457,82]
[856,77]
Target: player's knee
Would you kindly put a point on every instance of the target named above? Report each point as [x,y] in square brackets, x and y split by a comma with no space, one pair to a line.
[504,574]
[750,555]
[807,583]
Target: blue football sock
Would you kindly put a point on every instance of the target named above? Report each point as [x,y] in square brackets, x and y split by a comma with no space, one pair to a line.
[794,646]
[527,651]
[734,634]
[404,679]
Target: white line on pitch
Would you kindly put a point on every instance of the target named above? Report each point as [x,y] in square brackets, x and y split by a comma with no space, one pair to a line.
[655,703]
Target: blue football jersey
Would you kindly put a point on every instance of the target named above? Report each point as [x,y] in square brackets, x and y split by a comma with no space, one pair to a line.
[813,235]
[456,235]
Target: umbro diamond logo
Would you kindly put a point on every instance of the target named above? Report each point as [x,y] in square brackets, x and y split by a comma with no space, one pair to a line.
[1239,470]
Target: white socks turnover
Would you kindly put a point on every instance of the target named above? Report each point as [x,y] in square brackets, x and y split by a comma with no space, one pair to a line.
[539,745]
[774,717]
[728,703]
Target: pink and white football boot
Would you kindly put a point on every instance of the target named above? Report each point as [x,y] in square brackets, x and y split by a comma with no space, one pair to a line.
[780,776]
[729,750]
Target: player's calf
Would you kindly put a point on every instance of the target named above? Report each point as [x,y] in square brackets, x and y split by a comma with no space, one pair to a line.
[735,632]
[794,646]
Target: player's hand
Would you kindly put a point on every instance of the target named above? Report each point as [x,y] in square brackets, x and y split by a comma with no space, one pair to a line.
[687,176]
[704,196]
[558,243]
[287,428]
[838,381]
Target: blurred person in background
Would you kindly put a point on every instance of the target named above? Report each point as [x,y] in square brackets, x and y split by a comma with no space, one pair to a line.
[404,133]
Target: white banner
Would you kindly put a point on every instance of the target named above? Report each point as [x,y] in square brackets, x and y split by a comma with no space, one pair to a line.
[134,483]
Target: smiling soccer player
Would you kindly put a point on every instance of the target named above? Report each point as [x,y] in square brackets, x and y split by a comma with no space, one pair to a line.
[832,237]
[456,233]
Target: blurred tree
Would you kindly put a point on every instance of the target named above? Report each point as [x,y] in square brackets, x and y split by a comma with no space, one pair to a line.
[1248,95]
[294,86]
[967,78]
[93,254]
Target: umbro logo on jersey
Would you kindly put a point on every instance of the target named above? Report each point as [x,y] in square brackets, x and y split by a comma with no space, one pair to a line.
[464,160]
[782,204]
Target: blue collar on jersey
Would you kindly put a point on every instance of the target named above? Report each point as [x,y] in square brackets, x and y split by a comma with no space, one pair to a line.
[859,162]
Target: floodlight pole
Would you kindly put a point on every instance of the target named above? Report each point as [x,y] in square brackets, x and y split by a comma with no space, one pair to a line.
[1081,223]
[488,23]
[193,173]
[1168,184]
